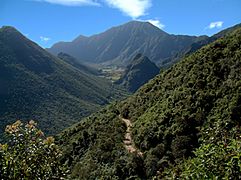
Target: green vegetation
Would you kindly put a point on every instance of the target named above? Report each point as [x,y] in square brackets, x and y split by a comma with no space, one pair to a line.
[188,114]
[29,155]
[201,41]
[138,72]
[213,159]
[37,85]
[94,148]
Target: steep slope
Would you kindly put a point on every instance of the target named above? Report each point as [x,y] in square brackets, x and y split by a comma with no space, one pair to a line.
[196,102]
[36,85]
[197,45]
[120,44]
[138,72]
[77,64]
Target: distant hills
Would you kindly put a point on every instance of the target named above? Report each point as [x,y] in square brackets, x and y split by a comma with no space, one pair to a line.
[213,38]
[118,45]
[195,103]
[138,72]
[197,45]
[37,85]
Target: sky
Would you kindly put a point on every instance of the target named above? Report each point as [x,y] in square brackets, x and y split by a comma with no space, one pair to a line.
[49,21]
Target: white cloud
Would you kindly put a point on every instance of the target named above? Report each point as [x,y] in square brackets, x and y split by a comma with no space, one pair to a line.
[72,2]
[217,24]
[156,23]
[45,39]
[132,8]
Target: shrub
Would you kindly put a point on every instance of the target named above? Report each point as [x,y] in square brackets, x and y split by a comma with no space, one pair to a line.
[213,160]
[29,155]
[220,159]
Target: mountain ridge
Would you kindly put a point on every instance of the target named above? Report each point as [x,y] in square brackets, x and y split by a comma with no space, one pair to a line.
[119,44]
[77,64]
[37,85]
[138,72]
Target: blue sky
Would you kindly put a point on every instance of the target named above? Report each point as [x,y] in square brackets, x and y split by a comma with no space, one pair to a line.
[49,21]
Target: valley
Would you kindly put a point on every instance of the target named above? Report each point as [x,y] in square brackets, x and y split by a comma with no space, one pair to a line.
[185,107]
[120,90]
[111,73]
[37,85]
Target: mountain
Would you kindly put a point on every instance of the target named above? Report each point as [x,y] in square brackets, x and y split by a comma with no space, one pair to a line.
[197,45]
[194,105]
[77,64]
[37,85]
[118,45]
[138,72]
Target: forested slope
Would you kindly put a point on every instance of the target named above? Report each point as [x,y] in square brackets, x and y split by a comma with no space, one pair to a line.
[37,85]
[196,103]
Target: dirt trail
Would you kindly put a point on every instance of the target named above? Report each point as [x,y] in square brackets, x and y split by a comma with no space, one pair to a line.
[128,141]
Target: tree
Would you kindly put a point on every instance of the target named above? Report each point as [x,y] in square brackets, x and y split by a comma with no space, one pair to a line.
[28,154]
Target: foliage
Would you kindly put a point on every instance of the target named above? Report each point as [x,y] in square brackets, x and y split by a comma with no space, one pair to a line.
[221,159]
[29,155]
[95,150]
[177,107]
[186,107]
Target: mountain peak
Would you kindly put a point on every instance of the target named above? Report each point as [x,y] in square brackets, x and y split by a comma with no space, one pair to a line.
[139,55]
[138,72]
[35,60]
[11,33]
[140,59]
[143,25]
[138,23]
[8,28]
[120,44]
[135,22]
[80,38]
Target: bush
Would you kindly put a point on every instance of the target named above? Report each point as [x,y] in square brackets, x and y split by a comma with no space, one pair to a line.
[213,160]
[29,155]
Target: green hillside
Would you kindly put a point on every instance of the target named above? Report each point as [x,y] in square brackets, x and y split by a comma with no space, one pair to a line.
[196,103]
[36,85]
[138,72]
